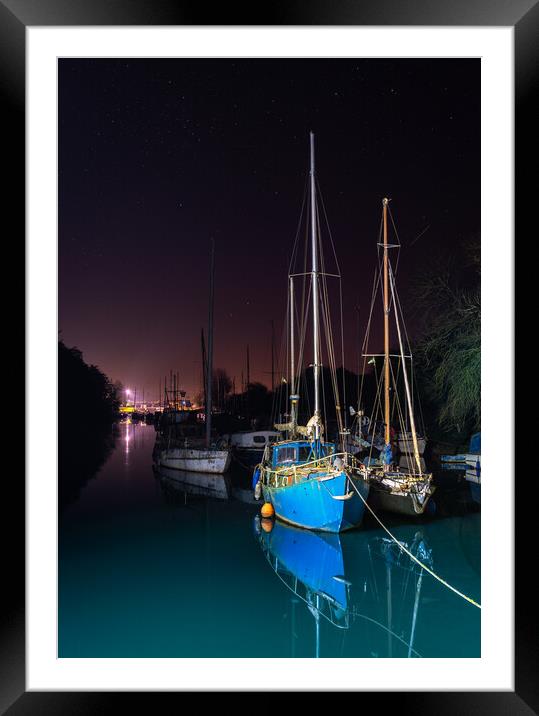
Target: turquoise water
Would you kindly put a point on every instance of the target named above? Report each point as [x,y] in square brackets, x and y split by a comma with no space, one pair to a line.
[153,567]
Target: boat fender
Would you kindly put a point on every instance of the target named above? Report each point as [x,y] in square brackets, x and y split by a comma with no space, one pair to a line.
[267,510]
[258,490]
[256,476]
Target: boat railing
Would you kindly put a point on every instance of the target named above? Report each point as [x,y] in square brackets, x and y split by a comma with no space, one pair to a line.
[298,472]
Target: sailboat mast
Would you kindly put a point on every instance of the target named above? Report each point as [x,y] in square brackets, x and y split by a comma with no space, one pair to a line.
[386,325]
[204,366]
[292,346]
[210,349]
[314,274]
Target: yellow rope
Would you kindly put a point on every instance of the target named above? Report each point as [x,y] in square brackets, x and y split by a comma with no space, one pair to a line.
[433,574]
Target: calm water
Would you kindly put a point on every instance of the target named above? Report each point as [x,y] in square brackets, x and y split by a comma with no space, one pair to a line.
[150,568]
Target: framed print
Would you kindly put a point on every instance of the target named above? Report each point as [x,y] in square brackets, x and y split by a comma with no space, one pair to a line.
[251,464]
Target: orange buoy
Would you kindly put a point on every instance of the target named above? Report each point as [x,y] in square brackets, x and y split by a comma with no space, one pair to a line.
[267,525]
[267,510]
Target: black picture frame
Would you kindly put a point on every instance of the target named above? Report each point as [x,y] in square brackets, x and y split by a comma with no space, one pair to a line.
[15,16]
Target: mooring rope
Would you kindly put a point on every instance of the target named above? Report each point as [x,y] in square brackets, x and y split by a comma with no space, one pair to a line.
[424,566]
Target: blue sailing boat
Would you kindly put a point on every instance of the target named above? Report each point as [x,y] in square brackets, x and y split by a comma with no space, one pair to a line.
[309,482]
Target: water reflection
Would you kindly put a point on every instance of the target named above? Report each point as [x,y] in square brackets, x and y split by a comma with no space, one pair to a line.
[180,483]
[349,579]
[349,595]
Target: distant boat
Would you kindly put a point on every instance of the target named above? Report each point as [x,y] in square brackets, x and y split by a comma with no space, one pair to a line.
[180,446]
[473,467]
[469,463]
[403,487]
[308,481]
[248,445]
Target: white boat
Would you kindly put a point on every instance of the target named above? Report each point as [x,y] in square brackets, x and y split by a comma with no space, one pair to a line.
[473,468]
[180,445]
[195,459]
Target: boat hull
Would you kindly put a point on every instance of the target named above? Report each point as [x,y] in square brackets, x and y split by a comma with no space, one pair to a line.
[315,503]
[401,504]
[193,460]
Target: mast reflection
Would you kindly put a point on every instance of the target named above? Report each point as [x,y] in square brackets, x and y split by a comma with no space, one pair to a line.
[352,581]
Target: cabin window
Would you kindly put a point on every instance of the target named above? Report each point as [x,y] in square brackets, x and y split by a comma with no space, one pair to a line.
[286,454]
[259,439]
[304,453]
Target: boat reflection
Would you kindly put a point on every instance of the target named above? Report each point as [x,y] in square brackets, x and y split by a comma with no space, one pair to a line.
[352,581]
[201,484]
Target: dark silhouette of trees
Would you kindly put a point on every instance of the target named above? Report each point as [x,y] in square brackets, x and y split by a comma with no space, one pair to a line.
[447,300]
[87,408]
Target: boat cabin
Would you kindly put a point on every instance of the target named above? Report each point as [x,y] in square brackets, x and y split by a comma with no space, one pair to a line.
[255,440]
[298,452]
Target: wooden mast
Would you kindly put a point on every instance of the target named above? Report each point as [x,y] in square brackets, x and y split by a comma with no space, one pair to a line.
[385,202]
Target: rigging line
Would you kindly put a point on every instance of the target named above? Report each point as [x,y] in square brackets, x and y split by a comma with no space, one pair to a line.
[427,227]
[406,385]
[376,281]
[336,389]
[377,409]
[398,239]
[328,227]
[409,348]
[295,245]
[303,332]
[400,415]
[365,344]
[328,328]
[396,381]
[385,628]
[331,357]
[302,381]
[413,557]
[342,358]
[305,286]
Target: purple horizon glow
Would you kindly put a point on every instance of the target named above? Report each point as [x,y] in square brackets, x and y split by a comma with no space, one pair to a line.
[158,156]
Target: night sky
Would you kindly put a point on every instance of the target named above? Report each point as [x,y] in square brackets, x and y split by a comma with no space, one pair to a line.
[157,156]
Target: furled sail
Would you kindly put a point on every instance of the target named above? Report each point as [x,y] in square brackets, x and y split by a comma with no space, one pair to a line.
[284,426]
